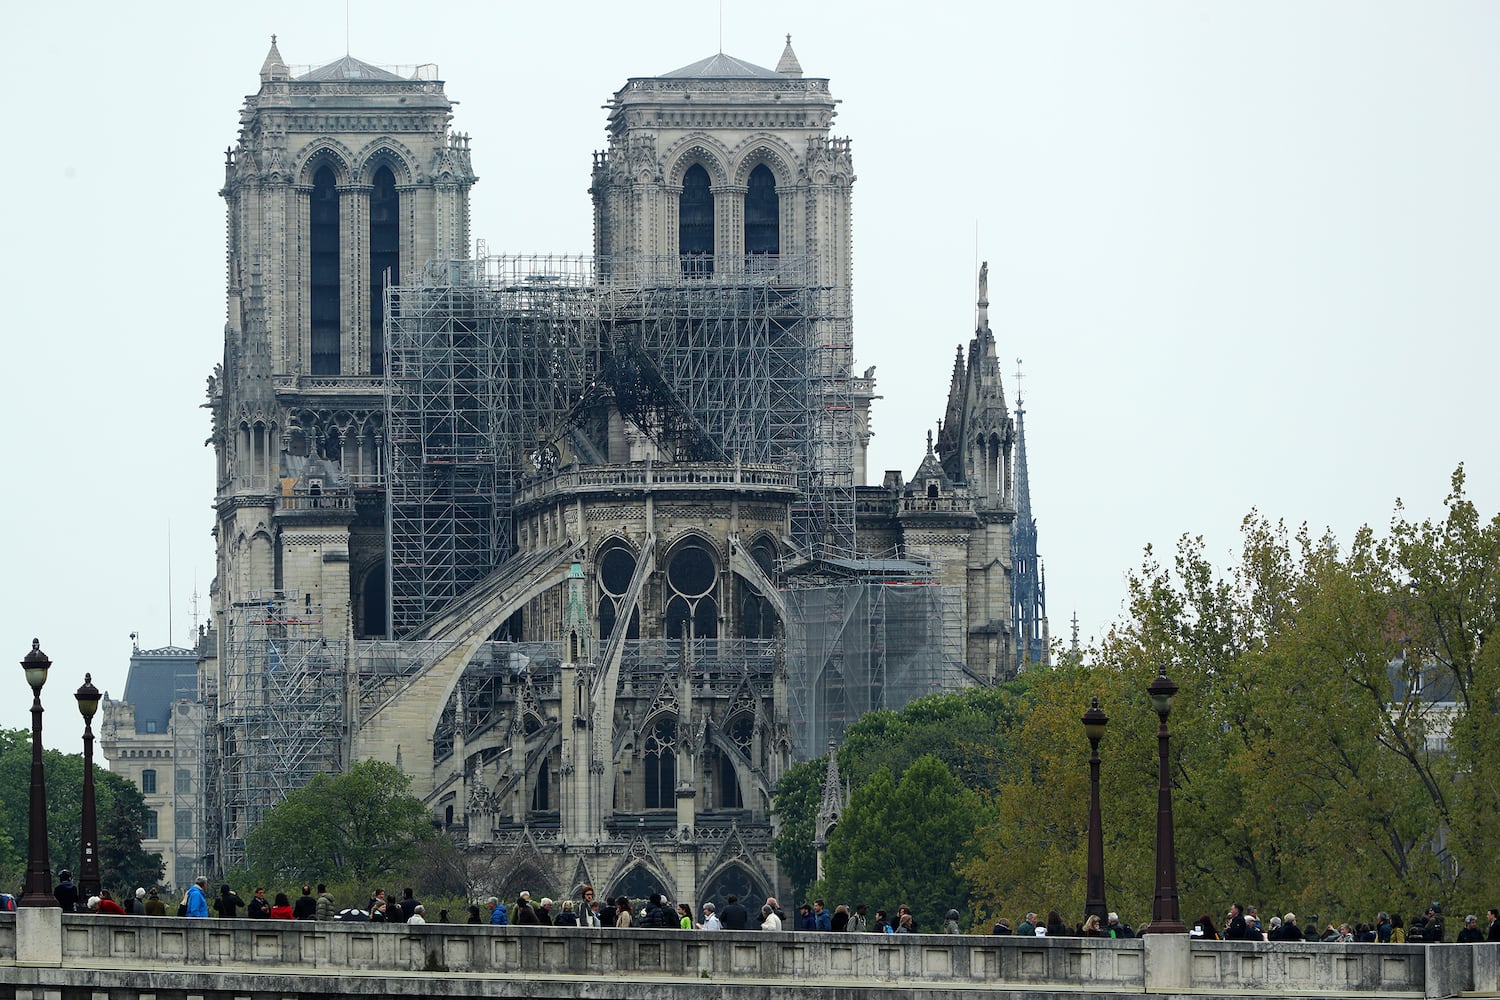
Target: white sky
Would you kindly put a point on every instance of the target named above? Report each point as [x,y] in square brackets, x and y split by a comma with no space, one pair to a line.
[1248,252]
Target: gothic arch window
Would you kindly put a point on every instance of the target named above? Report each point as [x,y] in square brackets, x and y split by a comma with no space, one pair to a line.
[740,734]
[615,565]
[385,256]
[736,879]
[659,761]
[541,787]
[695,222]
[372,603]
[757,618]
[324,289]
[692,585]
[636,884]
[762,213]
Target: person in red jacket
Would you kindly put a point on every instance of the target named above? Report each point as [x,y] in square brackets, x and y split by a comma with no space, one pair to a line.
[107,904]
[282,908]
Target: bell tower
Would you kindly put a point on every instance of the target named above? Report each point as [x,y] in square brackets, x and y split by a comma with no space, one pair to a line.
[345,179]
[723,163]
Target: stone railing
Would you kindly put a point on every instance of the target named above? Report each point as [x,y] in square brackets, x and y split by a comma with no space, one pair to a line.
[647,476]
[302,956]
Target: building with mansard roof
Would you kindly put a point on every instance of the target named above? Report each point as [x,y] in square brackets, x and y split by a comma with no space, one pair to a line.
[578,543]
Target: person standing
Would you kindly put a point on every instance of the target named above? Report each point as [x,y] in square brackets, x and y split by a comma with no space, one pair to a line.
[769,921]
[1494,930]
[306,907]
[711,920]
[197,900]
[735,917]
[1237,928]
[326,907]
[409,905]
[229,903]
[588,916]
[154,906]
[66,892]
[260,906]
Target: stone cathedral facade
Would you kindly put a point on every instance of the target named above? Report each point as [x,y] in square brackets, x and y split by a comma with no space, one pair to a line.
[580,545]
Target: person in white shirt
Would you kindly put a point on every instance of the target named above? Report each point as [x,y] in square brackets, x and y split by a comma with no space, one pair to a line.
[416,915]
[769,921]
[710,919]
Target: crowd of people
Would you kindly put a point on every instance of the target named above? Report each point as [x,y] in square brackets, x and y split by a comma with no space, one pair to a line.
[1240,923]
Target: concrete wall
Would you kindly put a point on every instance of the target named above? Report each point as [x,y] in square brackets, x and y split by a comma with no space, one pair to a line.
[47,955]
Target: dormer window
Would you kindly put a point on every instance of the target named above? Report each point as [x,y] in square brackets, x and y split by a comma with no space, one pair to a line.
[932,489]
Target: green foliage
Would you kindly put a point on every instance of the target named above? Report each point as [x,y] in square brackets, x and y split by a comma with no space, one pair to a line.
[358,827]
[896,842]
[117,803]
[1334,727]
[798,794]
[969,731]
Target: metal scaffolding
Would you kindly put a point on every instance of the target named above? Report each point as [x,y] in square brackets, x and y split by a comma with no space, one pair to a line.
[191,757]
[500,366]
[872,640]
[281,714]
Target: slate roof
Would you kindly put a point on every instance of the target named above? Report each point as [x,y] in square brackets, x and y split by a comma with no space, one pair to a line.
[721,66]
[350,68]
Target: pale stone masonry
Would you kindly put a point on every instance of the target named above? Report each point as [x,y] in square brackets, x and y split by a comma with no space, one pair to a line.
[577,544]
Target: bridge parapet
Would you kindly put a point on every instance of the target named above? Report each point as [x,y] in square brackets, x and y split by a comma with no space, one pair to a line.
[690,964]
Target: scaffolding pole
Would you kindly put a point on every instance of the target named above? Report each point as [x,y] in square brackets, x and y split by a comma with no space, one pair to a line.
[495,363]
[281,717]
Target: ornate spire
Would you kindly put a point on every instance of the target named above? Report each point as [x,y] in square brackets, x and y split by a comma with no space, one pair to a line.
[832,805]
[789,66]
[274,68]
[984,297]
[1028,589]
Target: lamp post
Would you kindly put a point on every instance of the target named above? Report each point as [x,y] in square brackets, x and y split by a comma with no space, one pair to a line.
[88,866]
[1165,918]
[1094,722]
[37,890]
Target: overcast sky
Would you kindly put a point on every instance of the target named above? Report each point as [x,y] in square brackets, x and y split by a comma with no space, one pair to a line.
[1247,251]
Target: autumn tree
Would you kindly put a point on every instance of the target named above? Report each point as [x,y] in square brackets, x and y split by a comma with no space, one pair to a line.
[1332,745]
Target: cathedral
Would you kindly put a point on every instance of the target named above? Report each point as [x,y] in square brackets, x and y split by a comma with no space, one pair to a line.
[581,545]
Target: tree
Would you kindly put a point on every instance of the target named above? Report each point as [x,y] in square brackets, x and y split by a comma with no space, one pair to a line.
[1332,742]
[124,865]
[360,826]
[970,731]
[897,841]
[121,857]
[798,795]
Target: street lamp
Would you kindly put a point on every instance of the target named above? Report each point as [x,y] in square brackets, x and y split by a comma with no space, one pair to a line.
[37,889]
[88,868]
[1094,722]
[1165,918]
